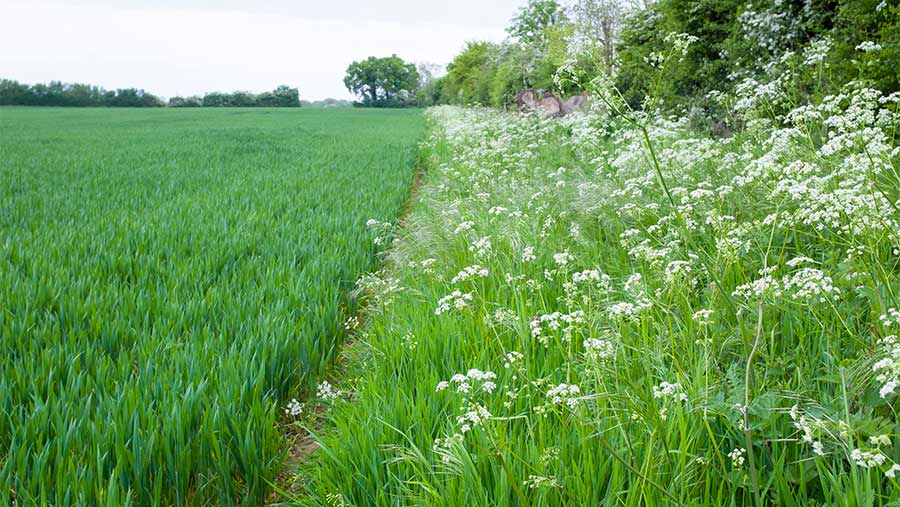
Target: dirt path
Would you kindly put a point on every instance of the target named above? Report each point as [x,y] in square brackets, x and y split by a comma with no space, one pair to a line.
[302,445]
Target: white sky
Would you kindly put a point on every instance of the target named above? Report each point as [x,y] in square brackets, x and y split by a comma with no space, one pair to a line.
[189,47]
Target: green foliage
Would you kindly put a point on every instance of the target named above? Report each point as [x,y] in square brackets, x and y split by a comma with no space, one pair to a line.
[57,93]
[530,24]
[876,21]
[382,82]
[740,40]
[283,96]
[468,75]
[702,69]
[168,279]
[491,74]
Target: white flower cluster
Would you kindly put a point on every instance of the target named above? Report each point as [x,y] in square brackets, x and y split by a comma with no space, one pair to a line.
[703,317]
[677,271]
[624,310]
[473,417]
[555,321]
[455,300]
[737,457]
[541,481]
[481,247]
[599,279]
[528,254]
[568,394]
[681,42]
[868,46]
[868,459]
[887,369]
[469,272]
[325,391]
[382,230]
[562,258]
[669,390]
[472,378]
[513,358]
[596,349]
[293,408]
[806,285]
[809,427]
[463,226]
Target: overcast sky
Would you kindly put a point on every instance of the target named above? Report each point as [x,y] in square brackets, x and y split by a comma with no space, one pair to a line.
[189,47]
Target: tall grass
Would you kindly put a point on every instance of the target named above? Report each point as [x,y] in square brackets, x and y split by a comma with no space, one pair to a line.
[611,309]
[167,279]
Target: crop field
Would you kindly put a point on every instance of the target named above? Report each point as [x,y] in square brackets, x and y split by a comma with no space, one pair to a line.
[168,279]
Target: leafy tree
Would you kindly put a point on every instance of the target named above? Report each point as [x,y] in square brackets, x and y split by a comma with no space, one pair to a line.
[598,23]
[193,101]
[431,86]
[469,74]
[380,82]
[242,99]
[531,21]
[216,99]
[285,96]
[705,66]
[857,22]
[132,97]
[14,93]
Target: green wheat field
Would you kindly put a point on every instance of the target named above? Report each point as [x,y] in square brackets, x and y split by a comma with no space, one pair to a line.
[166,278]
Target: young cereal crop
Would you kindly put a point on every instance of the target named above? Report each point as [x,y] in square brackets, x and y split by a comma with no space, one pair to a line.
[168,278]
[614,310]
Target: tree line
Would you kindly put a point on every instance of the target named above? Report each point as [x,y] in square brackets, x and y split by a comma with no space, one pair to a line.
[56,93]
[736,44]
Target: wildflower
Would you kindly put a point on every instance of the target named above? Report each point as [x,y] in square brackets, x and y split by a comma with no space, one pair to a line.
[441,386]
[681,42]
[892,471]
[567,394]
[528,254]
[327,392]
[351,323]
[294,408]
[463,226]
[539,481]
[512,358]
[481,247]
[702,317]
[455,299]
[567,322]
[410,341]
[867,459]
[563,258]
[676,270]
[470,272]
[879,440]
[669,390]
[818,448]
[796,261]
[473,417]
[868,46]
[596,349]
[737,457]
[817,50]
